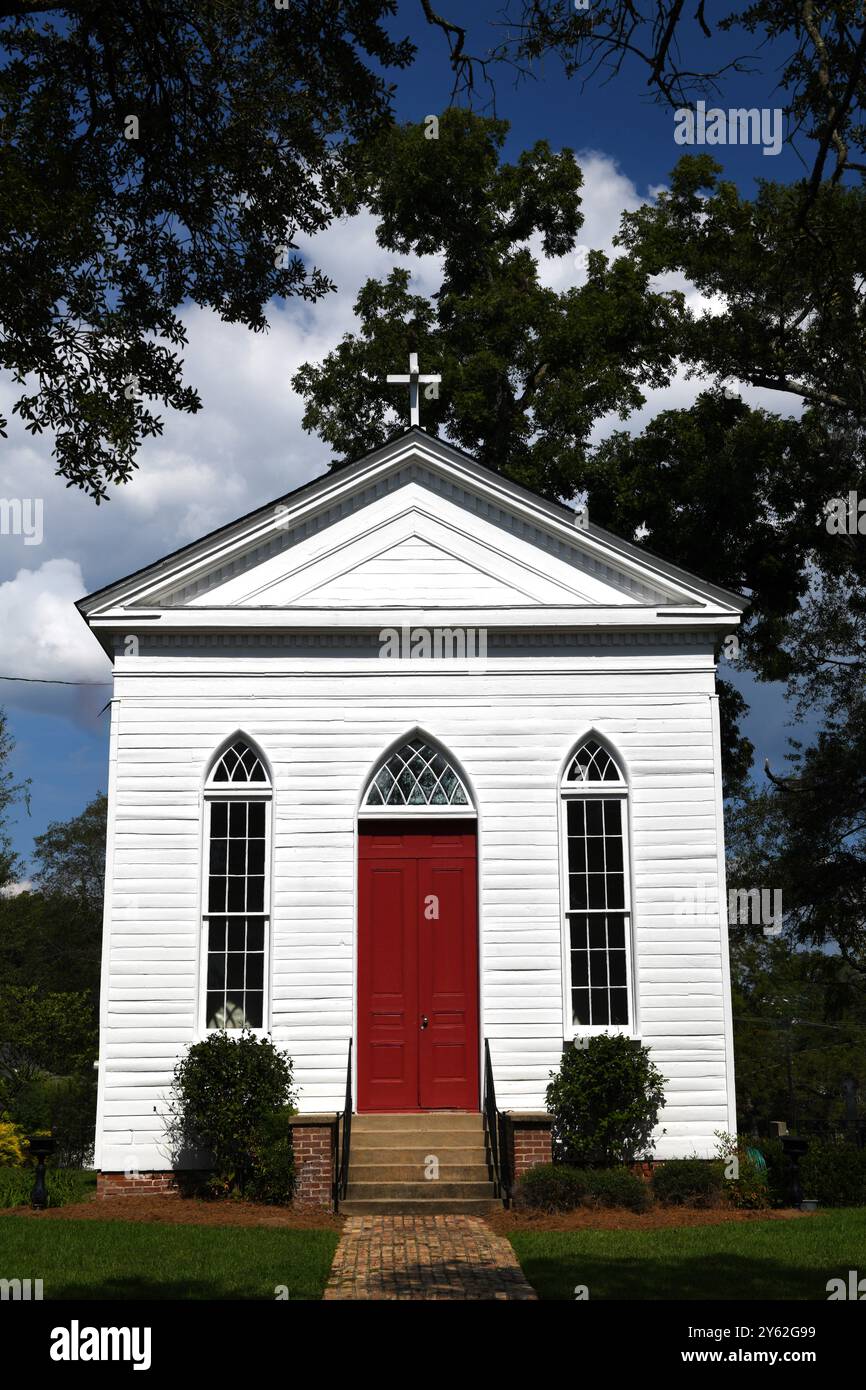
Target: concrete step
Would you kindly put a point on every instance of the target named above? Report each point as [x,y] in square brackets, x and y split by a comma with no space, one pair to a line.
[426,1121]
[371,1150]
[417,1191]
[453,1206]
[415,1172]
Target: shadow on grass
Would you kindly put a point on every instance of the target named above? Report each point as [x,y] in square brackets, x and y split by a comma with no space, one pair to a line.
[139,1287]
[696,1277]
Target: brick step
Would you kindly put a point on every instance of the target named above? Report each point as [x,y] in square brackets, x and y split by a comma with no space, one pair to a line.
[453,1206]
[418,1191]
[414,1172]
[426,1121]
[370,1150]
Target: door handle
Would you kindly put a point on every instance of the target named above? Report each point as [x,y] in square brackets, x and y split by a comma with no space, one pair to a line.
[424,1020]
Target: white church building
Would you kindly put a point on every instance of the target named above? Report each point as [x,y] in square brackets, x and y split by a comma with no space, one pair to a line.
[415,760]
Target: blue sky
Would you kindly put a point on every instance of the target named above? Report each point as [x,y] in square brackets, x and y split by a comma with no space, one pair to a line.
[247,446]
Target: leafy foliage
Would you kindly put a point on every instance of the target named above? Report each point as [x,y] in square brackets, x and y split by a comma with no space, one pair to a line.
[230,1101]
[70,856]
[12,1152]
[43,1032]
[51,936]
[247,116]
[50,941]
[65,1107]
[553,1187]
[834,1174]
[799,1019]
[605,1102]
[746,1186]
[688,1182]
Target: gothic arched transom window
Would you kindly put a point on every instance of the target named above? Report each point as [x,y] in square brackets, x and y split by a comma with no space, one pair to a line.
[237,896]
[417,774]
[239,763]
[598,920]
[592,763]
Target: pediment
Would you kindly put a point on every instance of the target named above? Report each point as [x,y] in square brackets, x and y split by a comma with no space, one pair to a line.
[415,526]
[414,549]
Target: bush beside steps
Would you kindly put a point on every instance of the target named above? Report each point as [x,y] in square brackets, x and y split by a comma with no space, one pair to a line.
[555,1187]
[679,1182]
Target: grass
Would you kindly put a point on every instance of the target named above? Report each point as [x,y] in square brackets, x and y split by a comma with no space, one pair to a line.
[62,1184]
[128,1260]
[739,1260]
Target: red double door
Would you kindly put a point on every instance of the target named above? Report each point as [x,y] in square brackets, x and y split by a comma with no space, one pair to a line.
[417,967]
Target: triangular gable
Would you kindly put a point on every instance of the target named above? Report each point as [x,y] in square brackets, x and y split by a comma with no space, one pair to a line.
[416,524]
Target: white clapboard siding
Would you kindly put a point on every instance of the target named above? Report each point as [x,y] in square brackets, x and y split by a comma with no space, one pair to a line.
[321,748]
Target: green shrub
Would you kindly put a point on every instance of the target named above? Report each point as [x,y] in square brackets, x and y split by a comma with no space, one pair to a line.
[551,1187]
[689,1182]
[65,1105]
[605,1101]
[617,1187]
[273,1175]
[555,1187]
[231,1098]
[11,1144]
[63,1185]
[834,1174]
[746,1182]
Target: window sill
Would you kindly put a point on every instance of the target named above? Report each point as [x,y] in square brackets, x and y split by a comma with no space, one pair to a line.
[570,1039]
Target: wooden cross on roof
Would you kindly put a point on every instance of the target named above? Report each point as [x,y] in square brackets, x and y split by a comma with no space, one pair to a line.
[413,381]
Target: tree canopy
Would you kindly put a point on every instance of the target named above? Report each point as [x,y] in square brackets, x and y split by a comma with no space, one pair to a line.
[156,155]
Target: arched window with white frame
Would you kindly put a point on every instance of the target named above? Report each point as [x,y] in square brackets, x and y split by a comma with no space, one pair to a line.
[594,796]
[237,830]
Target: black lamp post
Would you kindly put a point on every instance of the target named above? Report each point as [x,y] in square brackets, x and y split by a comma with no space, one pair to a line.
[40,1145]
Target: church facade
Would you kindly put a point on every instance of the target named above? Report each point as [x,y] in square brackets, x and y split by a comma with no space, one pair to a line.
[415,760]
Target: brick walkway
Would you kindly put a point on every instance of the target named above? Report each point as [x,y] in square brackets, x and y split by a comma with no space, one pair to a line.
[424,1257]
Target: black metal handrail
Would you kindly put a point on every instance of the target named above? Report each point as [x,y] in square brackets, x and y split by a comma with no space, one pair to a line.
[496,1125]
[341,1150]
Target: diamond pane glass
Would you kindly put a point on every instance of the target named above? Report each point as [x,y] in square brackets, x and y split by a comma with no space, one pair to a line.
[416,775]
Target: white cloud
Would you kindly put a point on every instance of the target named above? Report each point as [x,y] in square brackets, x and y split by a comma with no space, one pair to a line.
[45,639]
[14,890]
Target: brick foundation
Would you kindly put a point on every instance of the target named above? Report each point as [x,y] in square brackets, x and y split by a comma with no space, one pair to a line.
[312,1141]
[142,1185]
[531,1140]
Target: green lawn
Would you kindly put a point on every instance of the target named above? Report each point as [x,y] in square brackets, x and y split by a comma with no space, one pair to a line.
[128,1259]
[762,1259]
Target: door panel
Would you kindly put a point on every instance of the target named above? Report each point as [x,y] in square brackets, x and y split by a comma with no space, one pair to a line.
[418,960]
[387,975]
[448,986]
